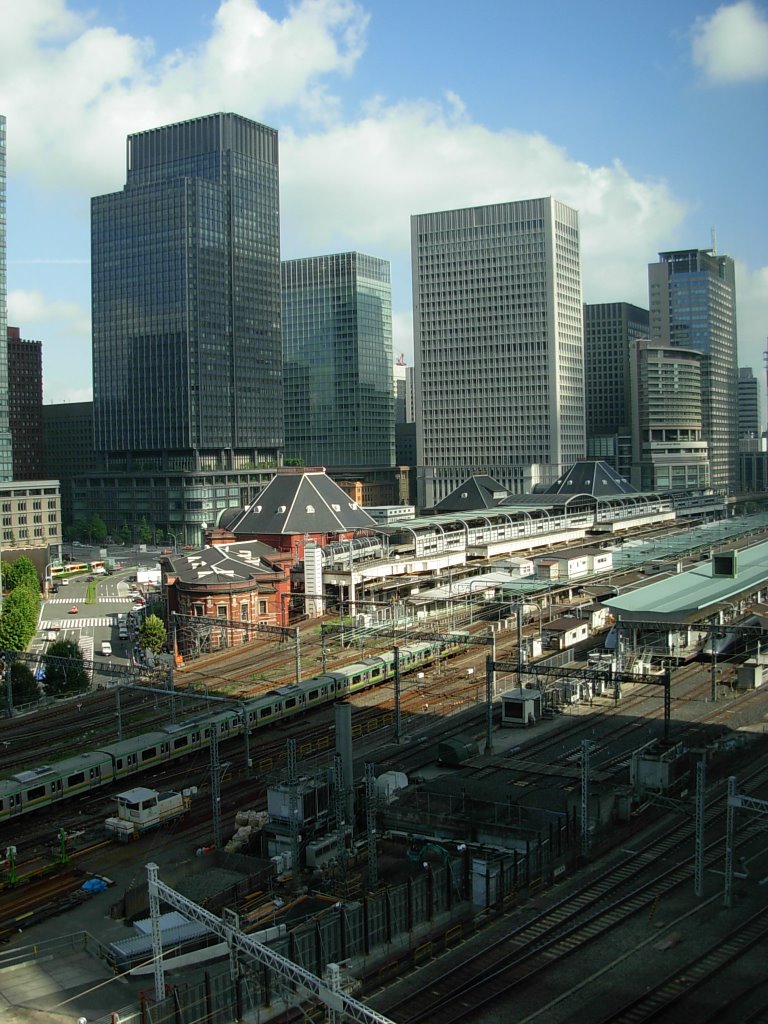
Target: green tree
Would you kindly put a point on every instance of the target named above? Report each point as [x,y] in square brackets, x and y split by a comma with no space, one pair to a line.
[24,686]
[28,600]
[21,573]
[92,530]
[15,628]
[64,669]
[98,529]
[153,634]
[124,534]
[82,531]
[145,531]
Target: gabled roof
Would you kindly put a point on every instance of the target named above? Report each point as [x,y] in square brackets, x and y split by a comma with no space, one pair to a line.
[227,563]
[298,501]
[477,492]
[596,478]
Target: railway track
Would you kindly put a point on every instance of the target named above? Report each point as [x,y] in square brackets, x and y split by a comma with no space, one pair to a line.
[524,955]
[679,984]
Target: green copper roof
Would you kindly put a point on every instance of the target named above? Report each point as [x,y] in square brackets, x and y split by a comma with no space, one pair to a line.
[693,593]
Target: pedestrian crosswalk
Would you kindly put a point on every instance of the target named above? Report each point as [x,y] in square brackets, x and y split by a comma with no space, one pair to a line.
[100,600]
[76,622]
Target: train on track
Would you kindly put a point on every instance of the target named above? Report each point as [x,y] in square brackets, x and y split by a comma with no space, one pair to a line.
[27,791]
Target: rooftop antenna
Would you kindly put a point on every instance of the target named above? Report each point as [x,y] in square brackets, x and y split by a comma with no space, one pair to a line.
[713,236]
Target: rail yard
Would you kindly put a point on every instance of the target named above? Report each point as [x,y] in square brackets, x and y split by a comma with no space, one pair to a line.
[592,923]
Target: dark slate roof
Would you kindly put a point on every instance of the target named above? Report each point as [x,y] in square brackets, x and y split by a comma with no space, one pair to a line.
[229,515]
[301,501]
[595,478]
[228,563]
[477,492]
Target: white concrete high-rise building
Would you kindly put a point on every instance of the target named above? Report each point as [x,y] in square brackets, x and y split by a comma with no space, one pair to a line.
[499,353]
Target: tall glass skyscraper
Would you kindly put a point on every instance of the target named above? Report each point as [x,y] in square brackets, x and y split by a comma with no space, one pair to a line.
[337,331]
[693,305]
[609,330]
[6,453]
[498,335]
[187,350]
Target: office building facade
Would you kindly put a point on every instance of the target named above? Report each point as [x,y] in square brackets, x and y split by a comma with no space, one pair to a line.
[693,305]
[6,451]
[498,335]
[337,351]
[187,352]
[30,520]
[68,449]
[749,409]
[187,347]
[670,452]
[25,405]
[609,330]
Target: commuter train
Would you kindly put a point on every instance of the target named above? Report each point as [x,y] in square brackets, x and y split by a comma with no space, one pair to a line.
[27,791]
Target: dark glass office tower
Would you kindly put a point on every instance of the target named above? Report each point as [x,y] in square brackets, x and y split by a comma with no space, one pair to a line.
[693,305]
[6,454]
[337,329]
[609,330]
[187,350]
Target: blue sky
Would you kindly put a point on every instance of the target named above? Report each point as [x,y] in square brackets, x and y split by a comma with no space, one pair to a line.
[649,118]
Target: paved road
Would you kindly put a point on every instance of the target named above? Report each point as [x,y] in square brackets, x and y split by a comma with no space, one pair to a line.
[96,622]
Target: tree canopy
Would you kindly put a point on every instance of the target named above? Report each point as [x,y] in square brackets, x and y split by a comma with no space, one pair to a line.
[16,627]
[20,573]
[24,687]
[64,669]
[91,530]
[153,634]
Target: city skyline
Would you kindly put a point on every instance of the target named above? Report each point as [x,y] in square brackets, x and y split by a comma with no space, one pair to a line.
[372,133]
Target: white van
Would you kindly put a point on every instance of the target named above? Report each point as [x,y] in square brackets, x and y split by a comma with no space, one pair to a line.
[106,648]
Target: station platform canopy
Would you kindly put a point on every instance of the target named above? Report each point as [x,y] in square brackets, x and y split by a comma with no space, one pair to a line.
[696,593]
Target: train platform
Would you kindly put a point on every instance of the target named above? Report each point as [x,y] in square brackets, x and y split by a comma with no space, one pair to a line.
[53,970]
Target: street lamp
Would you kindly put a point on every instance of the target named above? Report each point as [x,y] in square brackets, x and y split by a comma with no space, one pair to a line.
[47,579]
[204,527]
[175,542]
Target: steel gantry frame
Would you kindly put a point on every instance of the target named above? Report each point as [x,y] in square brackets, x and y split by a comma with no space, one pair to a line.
[737,802]
[613,677]
[306,984]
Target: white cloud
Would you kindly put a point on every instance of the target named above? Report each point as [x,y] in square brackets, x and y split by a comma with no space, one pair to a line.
[366,178]
[31,308]
[346,182]
[752,313]
[64,327]
[115,84]
[731,46]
